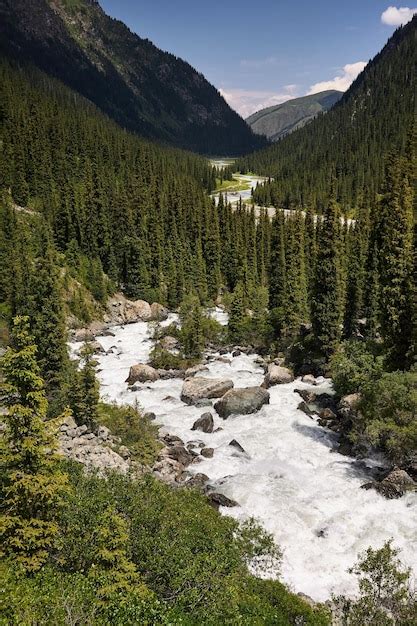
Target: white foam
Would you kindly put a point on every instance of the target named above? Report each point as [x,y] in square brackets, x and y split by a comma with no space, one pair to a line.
[308,496]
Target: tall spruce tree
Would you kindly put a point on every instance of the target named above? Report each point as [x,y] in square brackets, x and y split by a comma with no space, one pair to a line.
[396,261]
[32,486]
[327,311]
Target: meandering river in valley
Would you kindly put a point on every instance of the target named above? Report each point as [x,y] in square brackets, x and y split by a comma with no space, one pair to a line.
[291,479]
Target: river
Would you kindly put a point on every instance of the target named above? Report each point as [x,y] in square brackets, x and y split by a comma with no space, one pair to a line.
[291,479]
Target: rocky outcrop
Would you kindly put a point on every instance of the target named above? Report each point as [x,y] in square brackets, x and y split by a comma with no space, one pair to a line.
[120,310]
[205,423]
[142,373]
[198,388]
[394,485]
[94,450]
[278,375]
[242,401]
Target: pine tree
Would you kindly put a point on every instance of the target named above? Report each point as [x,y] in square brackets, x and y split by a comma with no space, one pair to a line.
[396,261]
[192,337]
[84,390]
[237,314]
[32,486]
[113,573]
[327,312]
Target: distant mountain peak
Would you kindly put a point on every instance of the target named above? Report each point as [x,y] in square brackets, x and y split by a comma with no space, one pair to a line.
[282,119]
[144,89]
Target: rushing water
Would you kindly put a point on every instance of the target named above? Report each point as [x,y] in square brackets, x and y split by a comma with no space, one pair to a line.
[302,491]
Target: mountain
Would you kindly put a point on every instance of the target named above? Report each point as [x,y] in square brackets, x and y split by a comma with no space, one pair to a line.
[346,149]
[282,119]
[144,89]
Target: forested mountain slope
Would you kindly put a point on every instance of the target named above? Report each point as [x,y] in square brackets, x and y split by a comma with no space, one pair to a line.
[282,119]
[348,145]
[143,88]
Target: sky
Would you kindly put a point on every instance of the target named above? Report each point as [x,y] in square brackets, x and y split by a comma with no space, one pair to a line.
[264,52]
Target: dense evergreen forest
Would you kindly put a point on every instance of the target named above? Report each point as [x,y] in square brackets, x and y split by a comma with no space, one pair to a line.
[88,208]
[141,87]
[347,146]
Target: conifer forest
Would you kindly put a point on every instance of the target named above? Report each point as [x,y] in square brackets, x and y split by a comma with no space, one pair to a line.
[208,341]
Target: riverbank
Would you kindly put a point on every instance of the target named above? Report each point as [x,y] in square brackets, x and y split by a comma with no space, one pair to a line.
[289,477]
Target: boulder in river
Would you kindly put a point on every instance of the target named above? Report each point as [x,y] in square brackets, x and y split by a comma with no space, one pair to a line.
[235,444]
[395,485]
[278,375]
[197,388]
[242,401]
[142,373]
[205,423]
[218,499]
[159,313]
[207,453]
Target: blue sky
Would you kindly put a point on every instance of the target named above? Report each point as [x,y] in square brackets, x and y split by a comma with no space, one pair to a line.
[265,52]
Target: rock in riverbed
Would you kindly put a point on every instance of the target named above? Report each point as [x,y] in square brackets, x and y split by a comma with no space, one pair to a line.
[278,375]
[142,373]
[242,401]
[197,388]
[205,423]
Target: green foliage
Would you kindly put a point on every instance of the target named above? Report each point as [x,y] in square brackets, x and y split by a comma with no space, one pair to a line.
[32,485]
[353,367]
[185,552]
[113,573]
[163,359]
[389,408]
[84,389]
[135,431]
[385,596]
[327,312]
[192,337]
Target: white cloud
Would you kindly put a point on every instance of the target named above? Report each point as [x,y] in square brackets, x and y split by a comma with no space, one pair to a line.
[341,82]
[246,101]
[397,16]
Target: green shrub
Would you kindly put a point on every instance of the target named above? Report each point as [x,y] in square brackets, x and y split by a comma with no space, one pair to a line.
[135,431]
[353,367]
[163,359]
[385,595]
[389,407]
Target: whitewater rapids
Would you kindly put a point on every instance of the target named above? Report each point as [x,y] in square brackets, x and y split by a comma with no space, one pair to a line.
[304,493]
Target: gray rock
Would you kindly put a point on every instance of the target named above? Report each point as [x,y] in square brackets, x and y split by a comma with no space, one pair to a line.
[242,401]
[197,481]
[205,423]
[303,406]
[235,444]
[181,454]
[197,388]
[307,395]
[207,453]
[142,373]
[395,485]
[159,313]
[309,378]
[278,375]
[192,371]
[218,499]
